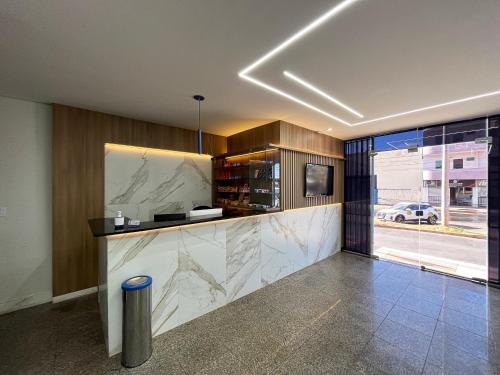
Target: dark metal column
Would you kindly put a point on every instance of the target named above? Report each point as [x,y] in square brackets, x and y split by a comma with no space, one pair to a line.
[357,212]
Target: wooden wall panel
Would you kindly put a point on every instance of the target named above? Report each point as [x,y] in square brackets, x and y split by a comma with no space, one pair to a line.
[294,136]
[284,134]
[298,146]
[255,137]
[293,174]
[78,181]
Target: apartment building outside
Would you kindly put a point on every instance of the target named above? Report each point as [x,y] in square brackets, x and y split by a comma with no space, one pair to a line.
[416,176]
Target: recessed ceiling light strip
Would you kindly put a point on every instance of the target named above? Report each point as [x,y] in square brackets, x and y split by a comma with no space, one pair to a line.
[313,25]
[293,98]
[470,98]
[316,23]
[322,93]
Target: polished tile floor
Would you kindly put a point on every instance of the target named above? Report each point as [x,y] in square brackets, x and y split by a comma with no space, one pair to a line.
[344,315]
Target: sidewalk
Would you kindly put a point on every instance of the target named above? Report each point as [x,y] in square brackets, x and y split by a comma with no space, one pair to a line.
[436,263]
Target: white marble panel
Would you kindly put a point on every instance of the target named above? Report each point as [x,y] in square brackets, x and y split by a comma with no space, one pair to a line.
[199,268]
[298,224]
[125,174]
[154,254]
[243,244]
[198,187]
[323,236]
[102,282]
[276,259]
[202,270]
[141,182]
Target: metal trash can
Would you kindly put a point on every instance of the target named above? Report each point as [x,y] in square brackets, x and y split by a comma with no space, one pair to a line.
[137,344]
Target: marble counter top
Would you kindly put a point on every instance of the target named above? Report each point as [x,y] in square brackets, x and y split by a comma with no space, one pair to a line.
[105,226]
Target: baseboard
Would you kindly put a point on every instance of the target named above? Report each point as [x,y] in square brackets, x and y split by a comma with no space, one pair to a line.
[78,293]
[25,302]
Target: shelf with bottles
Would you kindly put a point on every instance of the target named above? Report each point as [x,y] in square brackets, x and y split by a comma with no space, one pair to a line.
[233,188]
[247,181]
[232,166]
[233,178]
[232,203]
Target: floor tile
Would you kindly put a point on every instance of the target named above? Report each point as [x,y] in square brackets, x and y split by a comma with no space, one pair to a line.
[255,349]
[465,321]
[343,315]
[465,284]
[310,308]
[353,315]
[430,369]
[430,281]
[478,346]
[383,356]
[404,338]
[318,356]
[288,329]
[479,310]
[345,330]
[402,272]
[193,350]
[386,288]
[436,297]
[224,365]
[28,363]
[451,360]
[392,282]
[478,297]
[409,302]
[152,366]
[411,319]
[370,301]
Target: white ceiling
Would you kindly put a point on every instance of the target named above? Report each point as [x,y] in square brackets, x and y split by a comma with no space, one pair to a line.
[145,59]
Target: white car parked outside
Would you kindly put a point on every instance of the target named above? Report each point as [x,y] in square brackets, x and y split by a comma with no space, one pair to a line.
[409,211]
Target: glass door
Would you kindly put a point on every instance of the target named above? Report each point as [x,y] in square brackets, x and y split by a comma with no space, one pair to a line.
[429,195]
[397,196]
[455,186]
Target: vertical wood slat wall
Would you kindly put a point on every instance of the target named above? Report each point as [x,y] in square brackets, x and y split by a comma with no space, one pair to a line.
[293,175]
[294,136]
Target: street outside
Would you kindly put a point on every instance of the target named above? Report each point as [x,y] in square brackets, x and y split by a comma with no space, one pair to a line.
[457,254]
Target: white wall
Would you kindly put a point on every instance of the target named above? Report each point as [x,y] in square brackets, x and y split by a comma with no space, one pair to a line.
[25,189]
[399,176]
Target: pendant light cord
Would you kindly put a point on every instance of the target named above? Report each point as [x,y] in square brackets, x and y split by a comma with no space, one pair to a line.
[199,99]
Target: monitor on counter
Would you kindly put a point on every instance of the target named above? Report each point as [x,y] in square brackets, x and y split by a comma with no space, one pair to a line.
[318,180]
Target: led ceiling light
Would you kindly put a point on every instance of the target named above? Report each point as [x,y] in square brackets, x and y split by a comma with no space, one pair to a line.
[468,99]
[293,98]
[313,25]
[301,33]
[322,93]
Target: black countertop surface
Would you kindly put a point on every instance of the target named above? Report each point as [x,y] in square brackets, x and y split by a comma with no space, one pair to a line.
[106,227]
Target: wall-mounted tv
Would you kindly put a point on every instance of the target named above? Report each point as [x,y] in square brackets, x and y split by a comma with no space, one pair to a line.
[319,180]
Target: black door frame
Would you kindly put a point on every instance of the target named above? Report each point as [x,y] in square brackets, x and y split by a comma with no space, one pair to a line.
[358,220]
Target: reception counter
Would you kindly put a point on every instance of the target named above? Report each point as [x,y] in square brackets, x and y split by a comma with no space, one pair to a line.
[198,266]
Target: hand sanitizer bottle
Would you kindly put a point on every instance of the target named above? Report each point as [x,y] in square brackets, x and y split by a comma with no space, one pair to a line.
[119,220]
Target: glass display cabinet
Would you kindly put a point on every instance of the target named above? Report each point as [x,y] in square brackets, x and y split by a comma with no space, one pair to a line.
[249,180]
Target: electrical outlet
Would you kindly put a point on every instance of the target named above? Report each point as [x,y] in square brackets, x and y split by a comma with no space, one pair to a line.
[3,211]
